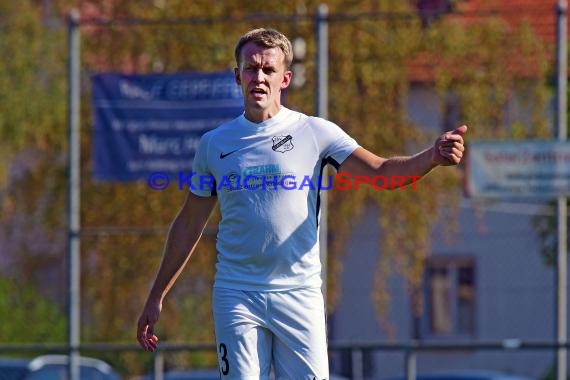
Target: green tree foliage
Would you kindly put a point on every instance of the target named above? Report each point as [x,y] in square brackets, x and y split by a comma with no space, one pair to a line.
[545,224]
[32,181]
[31,85]
[28,316]
[489,66]
[546,227]
[125,224]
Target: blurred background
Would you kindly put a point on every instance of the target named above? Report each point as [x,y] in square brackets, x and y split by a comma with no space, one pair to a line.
[473,277]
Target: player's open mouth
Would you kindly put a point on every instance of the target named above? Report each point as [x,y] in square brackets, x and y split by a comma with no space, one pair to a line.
[258,92]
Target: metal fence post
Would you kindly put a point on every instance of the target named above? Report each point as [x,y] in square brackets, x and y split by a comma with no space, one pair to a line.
[73,210]
[357,360]
[562,212]
[158,365]
[322,68]
[410,369]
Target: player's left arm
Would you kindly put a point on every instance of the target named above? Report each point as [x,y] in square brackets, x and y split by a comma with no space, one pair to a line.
[447,150]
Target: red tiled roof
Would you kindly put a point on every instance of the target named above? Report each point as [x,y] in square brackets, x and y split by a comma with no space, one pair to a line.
[539,14]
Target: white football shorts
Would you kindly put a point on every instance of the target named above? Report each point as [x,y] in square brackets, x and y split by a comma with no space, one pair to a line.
[255,330]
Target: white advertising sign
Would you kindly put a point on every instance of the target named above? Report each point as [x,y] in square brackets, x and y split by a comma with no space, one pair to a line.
[519,169]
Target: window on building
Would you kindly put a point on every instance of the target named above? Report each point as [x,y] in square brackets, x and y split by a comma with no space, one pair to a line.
[451,108]
[450,294]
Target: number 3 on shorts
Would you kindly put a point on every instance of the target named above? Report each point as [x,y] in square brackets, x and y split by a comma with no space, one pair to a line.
[224,364]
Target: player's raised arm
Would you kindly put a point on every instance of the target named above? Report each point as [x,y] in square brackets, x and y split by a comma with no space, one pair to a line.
[447,150]
[183,236]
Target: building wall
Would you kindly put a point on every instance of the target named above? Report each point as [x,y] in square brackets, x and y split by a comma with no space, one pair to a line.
[514,287]
[514,296]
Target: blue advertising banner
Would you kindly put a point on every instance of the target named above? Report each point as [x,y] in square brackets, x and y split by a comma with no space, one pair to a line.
[153,123]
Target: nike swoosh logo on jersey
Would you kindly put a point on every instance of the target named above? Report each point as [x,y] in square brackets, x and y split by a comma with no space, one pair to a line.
[224,155]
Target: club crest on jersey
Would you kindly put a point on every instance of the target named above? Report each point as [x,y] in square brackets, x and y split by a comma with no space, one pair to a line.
[282,143]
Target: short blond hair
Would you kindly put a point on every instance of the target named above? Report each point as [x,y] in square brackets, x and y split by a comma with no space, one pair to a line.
[268,38]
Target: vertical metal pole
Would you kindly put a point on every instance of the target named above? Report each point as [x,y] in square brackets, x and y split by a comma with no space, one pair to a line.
[322,61]
[410,363]
[73,198]
[322,111]
[158,365]
[357,359]
[562,214]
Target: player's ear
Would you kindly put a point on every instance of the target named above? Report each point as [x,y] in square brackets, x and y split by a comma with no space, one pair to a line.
[286,79]
[237,76]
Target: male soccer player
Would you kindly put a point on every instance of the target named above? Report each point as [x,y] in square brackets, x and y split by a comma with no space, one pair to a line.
[267,304]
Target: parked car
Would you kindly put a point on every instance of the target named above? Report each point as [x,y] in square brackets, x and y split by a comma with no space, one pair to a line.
[54,367]
[195,374]
[466,375]
[206,374]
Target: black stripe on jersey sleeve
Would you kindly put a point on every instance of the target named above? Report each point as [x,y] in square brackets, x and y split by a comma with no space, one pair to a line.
[324,162]
[331,161]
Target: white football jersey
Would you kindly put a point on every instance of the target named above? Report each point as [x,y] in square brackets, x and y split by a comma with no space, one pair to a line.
[266,177]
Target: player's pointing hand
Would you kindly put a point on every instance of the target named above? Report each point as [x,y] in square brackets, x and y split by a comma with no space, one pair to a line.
[449,147]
